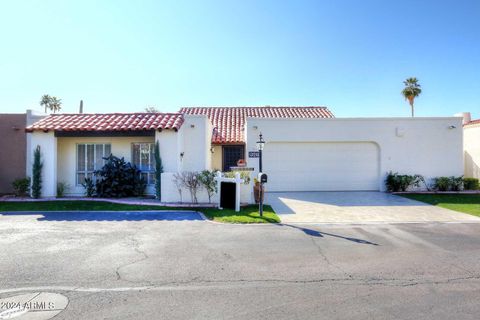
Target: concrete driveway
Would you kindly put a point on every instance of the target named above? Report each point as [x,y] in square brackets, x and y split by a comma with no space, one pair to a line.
[357,207]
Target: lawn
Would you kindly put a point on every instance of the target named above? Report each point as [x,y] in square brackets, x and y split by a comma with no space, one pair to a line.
[248,214]
[467,203]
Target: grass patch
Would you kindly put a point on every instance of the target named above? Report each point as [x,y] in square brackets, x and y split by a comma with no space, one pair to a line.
[466,203]
[247,214]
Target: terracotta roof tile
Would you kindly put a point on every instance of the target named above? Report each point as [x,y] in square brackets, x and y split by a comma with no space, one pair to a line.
[229,122]
[472,122]
[108,122]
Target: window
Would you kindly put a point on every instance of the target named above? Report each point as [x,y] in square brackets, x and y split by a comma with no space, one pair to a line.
[143,157]
[90,158]
[231,154]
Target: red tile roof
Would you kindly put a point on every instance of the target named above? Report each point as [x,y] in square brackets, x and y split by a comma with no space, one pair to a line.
[229,122]
[108,122]
[472,122]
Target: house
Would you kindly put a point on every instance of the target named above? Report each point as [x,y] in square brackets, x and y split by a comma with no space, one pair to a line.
[13,147]
[307,148]
[471,145]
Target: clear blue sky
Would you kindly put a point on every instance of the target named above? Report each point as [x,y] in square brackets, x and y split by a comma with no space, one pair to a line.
[121,56]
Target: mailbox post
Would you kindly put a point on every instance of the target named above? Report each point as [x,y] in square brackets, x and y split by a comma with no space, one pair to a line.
[262,177]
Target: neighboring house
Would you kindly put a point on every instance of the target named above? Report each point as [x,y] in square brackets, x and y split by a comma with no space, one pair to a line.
[307,148]
[13,147]
[471,145]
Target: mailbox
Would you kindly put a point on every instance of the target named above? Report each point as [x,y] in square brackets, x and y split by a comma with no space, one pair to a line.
[262,177]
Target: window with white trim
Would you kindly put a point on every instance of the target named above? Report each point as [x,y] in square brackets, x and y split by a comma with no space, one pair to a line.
[90,158]
[143,157]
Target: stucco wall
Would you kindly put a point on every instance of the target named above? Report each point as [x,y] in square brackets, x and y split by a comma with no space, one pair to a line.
[472,150]
[12,150]
[217,158]
[48,151]
[424,146]
[67,155]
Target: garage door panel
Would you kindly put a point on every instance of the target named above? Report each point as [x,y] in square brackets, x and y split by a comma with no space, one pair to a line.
[321,166]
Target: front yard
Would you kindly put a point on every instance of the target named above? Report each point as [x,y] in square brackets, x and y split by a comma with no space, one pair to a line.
[466,203]
[248,214]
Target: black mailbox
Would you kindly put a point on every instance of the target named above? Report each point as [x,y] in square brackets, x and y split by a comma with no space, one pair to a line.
[262,177]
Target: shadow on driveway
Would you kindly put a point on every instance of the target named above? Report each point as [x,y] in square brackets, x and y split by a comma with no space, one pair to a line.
[319,234]
[110,215]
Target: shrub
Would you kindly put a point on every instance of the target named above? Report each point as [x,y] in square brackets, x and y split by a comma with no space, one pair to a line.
[189,180]
[61,188]
[396,182]
[37,173]
[21,187]
[470,184]
[158,172]
[245,175]
[207,179]
[448,183]
[89,186]
[441,183]
[119,178]
[456,183]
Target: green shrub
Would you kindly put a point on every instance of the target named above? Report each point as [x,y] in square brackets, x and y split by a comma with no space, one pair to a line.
[448,183]
[470,183]
[456,183]
[207,179]
[37,173]
[396,182]
[158,172]
[61,188]
[118,179]
[245,175]
[441,183]
[21,187]
[89,186]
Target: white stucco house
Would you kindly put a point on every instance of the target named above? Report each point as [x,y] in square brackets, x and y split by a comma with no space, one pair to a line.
[471,145]
[307,148]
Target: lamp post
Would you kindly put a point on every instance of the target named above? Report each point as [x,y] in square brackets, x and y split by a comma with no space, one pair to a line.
[260,145]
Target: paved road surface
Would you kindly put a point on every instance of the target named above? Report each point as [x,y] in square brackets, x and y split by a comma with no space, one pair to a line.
[163,267]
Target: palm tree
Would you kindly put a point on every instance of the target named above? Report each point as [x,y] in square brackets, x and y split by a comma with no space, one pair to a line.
[55,104]
[45,102]
[411,91]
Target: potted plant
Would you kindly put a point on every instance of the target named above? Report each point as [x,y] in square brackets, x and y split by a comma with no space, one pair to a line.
[256,190]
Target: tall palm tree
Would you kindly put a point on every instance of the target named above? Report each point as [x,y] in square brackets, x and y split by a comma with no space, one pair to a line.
[55,104]
[45,102]
[411,91]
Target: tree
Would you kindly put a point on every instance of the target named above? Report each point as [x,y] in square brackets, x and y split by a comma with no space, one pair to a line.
[37,173]
[158,172]
[45,102]
[55,104]
[151,109]
[207,178]
[51,103]
[411,91]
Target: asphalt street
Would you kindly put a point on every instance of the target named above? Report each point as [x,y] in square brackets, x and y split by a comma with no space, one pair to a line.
[177,266]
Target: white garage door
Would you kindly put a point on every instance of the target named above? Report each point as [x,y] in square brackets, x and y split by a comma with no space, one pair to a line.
[321,166]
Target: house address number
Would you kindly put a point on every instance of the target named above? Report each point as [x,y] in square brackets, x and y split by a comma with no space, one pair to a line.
[253,154]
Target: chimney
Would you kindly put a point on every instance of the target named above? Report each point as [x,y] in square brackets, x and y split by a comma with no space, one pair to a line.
[81,107]
[467,117]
